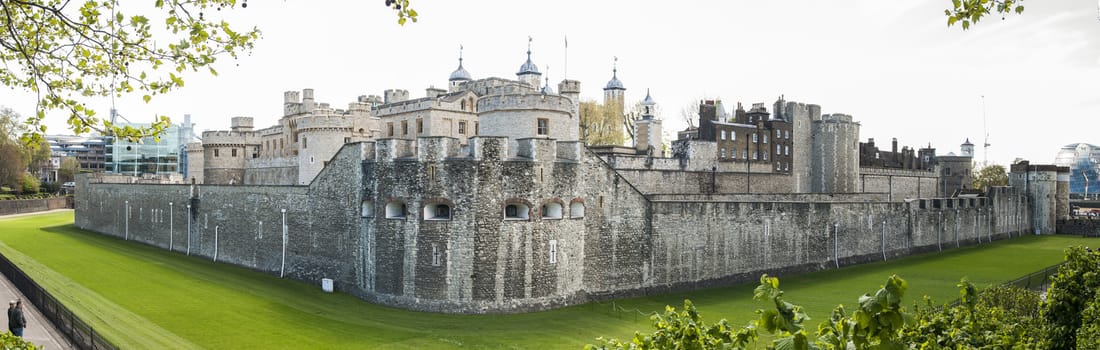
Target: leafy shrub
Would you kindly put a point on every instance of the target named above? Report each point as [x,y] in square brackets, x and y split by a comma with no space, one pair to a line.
[30,184]
[1073,288]
[12,342]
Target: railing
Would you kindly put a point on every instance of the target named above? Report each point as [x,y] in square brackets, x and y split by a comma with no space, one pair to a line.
[79,333]
[1038,280]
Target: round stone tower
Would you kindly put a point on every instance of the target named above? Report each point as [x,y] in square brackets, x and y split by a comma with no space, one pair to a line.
[835,155]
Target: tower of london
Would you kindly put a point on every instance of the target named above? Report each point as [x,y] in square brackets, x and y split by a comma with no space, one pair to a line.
[482,198]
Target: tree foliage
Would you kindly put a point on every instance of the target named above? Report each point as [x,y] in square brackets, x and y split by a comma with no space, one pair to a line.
[66,51]
[990,175]
[997,318]
[600,124]
[968,12]
[1072,292]
[12,342]
[68,169]
[12,165]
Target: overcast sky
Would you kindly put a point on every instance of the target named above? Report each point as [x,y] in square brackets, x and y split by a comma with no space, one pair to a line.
[893,65]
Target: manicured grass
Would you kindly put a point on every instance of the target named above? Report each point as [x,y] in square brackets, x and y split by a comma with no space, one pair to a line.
[145,297]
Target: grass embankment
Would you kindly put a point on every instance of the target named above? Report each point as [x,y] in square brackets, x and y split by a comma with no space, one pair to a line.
[144,297]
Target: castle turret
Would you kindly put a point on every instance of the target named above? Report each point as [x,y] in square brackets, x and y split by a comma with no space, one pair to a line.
[613,92]
[835,169]
[528,72]
[967,148]
[570,89]
[648,129]
[460,75]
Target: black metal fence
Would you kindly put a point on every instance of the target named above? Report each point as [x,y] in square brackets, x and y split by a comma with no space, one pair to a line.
[1037,281]
[79,333]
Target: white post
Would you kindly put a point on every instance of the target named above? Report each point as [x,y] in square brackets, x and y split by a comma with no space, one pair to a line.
[939,230]
[884,241]
[282,265]
[127,234]
[836,244]
[188,229]
[171,226]
[215,243]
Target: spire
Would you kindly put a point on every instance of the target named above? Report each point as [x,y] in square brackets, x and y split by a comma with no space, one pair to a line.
[529,67]
[460,73]
[614,83]
[546,88]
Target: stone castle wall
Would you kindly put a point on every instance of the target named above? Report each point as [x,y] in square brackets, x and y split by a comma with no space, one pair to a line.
[607,238]
[900,184]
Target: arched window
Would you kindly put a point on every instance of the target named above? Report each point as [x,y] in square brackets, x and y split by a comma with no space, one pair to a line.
[517,211]
[368,209]
[437,211]
[552,210]
[576,209]
[395,210]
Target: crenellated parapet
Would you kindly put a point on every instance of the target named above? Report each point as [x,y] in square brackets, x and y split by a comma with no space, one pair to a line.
[319,122]
[229,138]
[525,102]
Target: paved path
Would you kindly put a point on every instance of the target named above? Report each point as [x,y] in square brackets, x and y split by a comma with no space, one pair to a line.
[39,330]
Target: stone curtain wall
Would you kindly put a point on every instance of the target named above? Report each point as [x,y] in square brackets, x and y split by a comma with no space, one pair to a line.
[700,243]
[899,184]
[19,206]
[478,261]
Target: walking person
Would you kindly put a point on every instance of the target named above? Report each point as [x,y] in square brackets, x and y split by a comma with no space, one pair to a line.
[16,320]
[11,322]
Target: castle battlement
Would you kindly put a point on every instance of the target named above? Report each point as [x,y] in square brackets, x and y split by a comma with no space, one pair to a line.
[322,121]
[221,137]
[405,106]
[525,102]
[837,118]
[194,147]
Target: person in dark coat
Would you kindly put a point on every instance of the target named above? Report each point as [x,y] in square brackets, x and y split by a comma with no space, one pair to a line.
[11,307]
[17,321]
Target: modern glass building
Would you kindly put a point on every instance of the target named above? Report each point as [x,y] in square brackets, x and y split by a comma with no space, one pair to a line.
[149,156]
[1083,160]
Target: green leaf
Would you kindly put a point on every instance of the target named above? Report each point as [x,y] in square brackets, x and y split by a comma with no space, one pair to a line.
[147,98]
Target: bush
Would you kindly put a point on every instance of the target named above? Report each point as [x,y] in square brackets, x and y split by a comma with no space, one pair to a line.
[51,187]
[30,184]
[1073,289]
[9,341]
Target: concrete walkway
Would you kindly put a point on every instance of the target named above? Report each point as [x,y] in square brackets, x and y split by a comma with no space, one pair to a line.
[39,330]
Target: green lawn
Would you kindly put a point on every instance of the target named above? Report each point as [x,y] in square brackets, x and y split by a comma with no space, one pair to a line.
[144,297]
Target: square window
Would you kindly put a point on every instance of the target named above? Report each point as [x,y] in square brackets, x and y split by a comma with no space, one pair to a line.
[234,152]
[404,127]
[215,152]
[723,134]
[543,126]
[462,127]
[389,128]
[419,126]
[754,139]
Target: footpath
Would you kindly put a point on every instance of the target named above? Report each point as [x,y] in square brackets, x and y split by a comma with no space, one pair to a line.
[39,329]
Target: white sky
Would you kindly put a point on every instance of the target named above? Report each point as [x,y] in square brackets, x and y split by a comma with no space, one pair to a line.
[893,65]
